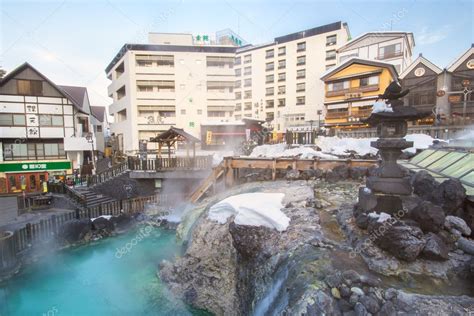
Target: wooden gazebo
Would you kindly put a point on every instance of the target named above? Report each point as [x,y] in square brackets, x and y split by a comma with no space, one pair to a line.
[174,135]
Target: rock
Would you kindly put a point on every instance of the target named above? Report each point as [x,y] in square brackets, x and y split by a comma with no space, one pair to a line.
[123,221]
[466,245]
[362,221]
[323,305]
[344,306]
[357,290]
[358,172]
[354,298]
[403,241]
[335,292]
[74,230]
[360,309]
[455,233]
[435,248]
[448,239]
[387,309]
[102,223]
[370,280]
[458,224]
[430,217]
[390,294]
[292,174]
[249,240]
[451,195]
[424,185]
[345,291]
[333,280]
[370,303]
[350,277]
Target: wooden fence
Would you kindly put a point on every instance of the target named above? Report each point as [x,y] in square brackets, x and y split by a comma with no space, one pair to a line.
[196,163]
[46,229]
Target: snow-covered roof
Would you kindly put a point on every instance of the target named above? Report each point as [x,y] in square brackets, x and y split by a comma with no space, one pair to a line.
[423,61]
[457,62]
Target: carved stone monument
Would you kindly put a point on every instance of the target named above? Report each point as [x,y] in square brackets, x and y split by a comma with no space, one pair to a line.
[383,191]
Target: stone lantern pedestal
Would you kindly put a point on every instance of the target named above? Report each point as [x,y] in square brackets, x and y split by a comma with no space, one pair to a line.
[384,191]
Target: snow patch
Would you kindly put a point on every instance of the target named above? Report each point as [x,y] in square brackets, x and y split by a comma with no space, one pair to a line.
[382,217]
[280,150]
[252,209]
[107,217]
[381,106]
[420,141]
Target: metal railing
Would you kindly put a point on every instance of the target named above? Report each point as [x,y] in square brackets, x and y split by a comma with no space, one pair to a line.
[173,163]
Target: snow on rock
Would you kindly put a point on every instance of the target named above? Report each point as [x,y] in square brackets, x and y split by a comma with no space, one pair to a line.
[252,209]
[381,106]
[107,217]
[382,217]
[280,150]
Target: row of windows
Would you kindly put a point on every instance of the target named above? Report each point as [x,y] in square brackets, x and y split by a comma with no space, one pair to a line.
[300,100]
[33,151]
[345,85]
[45,120]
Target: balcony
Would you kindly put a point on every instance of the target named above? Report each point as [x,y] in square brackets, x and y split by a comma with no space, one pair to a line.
[389,55]
[370,88]
[337,115]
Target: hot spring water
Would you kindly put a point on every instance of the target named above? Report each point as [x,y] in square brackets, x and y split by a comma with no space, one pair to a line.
[115,276]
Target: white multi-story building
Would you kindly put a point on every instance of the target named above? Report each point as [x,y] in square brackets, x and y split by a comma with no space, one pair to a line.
[176,80]
[395,48]
[45,130]
[279,81]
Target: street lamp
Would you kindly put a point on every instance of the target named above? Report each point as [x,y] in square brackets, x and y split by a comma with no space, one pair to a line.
[90,140]
[320,112]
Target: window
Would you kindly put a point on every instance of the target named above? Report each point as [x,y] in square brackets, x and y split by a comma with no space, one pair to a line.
[238,60]
[248,82]
[50,120]
[220,86]
[301,74]
[183,112]
[12,119]
[301,60]
[281,51]
[216,113]
[281,89]
[238,84]
[121,93]
[331,54]
[219,62]
[300,100]
[154,85]
[247,106]
[30,87]
[300,47]
[144,63]
[145,88]
[331,40]
[269,66]
[238,107]
[98,128]
[270,91]
[269,79]
[338,86]
[282,64]
[247,71]
[300,87]
[238,72]
[369,81]
[248,94]
[238,95]
[269,53]
[269,104]
[281,102]
[199,112]
[390,51]
[281,77]
[119,70]
[247,59]
[238,117]
[33,151]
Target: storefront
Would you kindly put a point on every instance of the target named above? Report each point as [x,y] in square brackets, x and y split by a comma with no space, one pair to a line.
[17,177]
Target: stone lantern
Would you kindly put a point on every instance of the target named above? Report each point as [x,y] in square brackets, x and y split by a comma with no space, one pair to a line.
[383,191]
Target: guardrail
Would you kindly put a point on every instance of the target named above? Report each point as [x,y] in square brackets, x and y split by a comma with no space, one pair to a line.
[108,174]
[173,163]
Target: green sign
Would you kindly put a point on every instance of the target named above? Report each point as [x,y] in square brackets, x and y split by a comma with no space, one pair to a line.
[35,166]
[191,124]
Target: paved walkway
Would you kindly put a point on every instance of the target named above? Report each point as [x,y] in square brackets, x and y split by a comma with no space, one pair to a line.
[9,219]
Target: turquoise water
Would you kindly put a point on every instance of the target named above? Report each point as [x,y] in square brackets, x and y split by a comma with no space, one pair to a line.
[97,280]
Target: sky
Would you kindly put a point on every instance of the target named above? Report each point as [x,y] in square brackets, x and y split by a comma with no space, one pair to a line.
[72,41]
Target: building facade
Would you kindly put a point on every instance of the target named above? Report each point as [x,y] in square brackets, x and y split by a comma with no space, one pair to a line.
[279,81]
[395,48]
[351,89]
[43,129]
[176,80]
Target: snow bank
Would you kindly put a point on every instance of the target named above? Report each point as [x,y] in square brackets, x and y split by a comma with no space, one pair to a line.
[280,150]
[381,106]
[252,209]
[345,146]
[420,141]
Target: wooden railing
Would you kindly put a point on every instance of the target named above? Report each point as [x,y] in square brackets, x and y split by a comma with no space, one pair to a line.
[46,229]
[197,163]
[108,174]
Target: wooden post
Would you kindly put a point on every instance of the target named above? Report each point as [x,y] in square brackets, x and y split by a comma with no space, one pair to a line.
[228,173]
[274,169]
